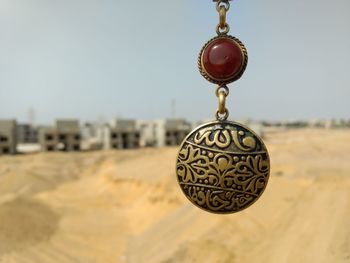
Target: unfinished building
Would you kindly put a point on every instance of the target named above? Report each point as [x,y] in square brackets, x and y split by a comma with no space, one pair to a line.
[64,136]
[171,132]
[8,140]
[160,133]
[121,134]
[27,133]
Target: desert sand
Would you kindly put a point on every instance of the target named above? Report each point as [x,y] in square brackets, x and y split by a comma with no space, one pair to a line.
[126,206]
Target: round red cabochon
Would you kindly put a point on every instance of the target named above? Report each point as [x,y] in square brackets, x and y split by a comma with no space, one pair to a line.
[222,59]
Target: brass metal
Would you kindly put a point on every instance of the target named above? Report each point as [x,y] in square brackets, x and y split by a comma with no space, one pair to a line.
[224,3]
[240,72]
[222,14]
[222,167]
[223,116]
[222,102]
[222,30]
[222,88]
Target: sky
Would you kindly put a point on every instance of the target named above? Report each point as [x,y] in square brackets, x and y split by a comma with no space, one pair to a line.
[101,59]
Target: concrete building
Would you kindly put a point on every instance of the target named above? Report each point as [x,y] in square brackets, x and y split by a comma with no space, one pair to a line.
[26,133]
[160,133]
[171,132]
[121,134]
[8,136]
[92,136]
[64,136]
[147,132]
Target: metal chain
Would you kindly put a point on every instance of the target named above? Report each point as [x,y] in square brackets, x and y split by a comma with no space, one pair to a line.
[224,3]
[222,6]
[222,112]
[222,91]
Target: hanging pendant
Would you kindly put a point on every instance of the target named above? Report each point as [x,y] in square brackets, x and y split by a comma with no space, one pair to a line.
[222,166]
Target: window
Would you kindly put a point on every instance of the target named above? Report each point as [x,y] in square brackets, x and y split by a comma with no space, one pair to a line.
[77,137]
[3,139]
[125,144]
[50,148]
[5,150]
[49,137]
[168,142]
[76,147]
[62,136]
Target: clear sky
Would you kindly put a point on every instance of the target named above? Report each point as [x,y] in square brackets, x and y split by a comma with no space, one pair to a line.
[92,59]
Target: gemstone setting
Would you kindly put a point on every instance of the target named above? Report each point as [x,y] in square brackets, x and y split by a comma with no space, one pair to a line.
[223,59]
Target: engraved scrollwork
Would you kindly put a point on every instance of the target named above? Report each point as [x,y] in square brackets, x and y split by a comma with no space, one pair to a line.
[191,164]
[251,174]
[221,180]
[222,169]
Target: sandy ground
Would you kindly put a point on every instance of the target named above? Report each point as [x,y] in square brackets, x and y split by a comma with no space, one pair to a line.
[125,206]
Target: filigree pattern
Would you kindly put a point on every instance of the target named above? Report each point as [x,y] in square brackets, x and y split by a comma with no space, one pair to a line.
[223,167]
[191,165]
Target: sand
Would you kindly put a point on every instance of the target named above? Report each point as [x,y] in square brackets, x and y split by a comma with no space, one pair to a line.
[125,206]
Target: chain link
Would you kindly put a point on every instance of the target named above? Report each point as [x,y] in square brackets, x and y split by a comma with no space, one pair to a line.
[222,117]
[222,6]
[222,113]
[222,14]
[224,3]
[222,88]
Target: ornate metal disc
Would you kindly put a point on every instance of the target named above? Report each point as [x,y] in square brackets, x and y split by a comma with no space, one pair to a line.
[222,167]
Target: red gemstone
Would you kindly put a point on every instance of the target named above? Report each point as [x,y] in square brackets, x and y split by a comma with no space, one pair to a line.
[222,59]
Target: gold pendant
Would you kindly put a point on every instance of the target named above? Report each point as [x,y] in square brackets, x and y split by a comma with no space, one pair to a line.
[222,166]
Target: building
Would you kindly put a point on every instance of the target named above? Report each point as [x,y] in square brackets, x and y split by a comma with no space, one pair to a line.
[92,136]
[160,133]
[121,134]
[147,132]
[8,136]
[26,133]
[172,132]
[64,136]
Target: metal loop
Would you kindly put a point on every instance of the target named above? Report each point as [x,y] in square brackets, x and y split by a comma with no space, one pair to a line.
[222,102]
[222,14]
[224,3]
[223,88]
[222,117]
[222,30]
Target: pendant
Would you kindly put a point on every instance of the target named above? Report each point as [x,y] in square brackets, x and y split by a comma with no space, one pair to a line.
[222,166]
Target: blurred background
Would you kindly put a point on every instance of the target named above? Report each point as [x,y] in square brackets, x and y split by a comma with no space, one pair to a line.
[96,96]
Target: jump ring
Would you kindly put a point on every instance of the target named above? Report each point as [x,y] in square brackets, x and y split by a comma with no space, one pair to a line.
[222,88]
[224,3]
[222,30]
[222,117]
